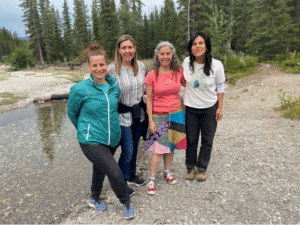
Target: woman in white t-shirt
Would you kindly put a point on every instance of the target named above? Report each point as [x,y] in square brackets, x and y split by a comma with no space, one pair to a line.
[203,98]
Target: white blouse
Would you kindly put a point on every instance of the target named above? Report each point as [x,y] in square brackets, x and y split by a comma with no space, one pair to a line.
[132,89]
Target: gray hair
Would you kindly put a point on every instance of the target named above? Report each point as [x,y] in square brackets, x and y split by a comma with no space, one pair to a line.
[175,61]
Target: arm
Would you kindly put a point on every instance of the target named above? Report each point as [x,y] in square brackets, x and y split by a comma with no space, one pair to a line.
[220,79]
[74,105]
[149,100]
[220,104]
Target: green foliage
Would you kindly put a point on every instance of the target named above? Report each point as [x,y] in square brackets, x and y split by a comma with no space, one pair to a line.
[235,77]
[109,32]
[68,37]
[239,63]
[8,43]
[289,62]
[289,104]
[32,22]
[271,27]
[263,28]
[286,101]
[81,24]
[22,58]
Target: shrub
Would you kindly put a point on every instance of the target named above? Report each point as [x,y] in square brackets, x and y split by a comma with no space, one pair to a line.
[22,58]
[291,62]
[239,63]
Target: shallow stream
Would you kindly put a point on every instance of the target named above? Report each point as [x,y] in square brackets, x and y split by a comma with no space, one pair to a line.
[43,170]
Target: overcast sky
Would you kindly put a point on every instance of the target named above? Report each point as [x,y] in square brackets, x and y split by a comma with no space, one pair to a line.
[11,13]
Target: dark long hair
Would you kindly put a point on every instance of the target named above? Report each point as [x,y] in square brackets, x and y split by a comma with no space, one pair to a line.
[208,58]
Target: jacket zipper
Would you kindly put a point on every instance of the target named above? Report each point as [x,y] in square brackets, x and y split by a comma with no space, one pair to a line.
[88,132]
[108,104]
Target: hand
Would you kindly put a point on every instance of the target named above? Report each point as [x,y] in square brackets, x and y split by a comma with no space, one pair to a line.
[152,127]
[219,114]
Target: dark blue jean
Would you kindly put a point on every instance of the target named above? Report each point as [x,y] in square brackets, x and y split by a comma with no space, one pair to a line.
[196,121]
[130,138]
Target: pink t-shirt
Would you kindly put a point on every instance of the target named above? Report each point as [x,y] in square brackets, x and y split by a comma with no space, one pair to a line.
[165,91]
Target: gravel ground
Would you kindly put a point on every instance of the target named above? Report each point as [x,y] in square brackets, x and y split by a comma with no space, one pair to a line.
[253,176]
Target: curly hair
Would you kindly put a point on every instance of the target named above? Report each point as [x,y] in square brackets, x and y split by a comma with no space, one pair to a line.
[174,63]
[208,57]
[118,57]
[93,50]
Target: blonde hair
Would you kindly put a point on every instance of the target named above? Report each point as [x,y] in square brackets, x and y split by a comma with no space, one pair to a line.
[93,50]
[118,57]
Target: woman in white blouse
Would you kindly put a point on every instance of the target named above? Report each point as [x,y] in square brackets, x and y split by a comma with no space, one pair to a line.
[130,75]
[203,98]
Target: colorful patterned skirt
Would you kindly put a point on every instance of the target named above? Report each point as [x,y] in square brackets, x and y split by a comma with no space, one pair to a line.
[170,133]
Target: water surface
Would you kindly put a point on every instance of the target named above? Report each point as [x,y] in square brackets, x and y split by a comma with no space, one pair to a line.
[43,170]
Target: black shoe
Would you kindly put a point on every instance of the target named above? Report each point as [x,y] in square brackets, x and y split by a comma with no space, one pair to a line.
[136,181]
[130,191]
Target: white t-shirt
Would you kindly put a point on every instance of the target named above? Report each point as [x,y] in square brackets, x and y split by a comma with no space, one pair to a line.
[200,91]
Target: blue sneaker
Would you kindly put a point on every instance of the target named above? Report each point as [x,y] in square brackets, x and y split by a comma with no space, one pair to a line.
[98,205]
[128,211]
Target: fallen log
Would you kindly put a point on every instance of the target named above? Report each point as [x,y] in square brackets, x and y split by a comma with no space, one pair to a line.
[52,97]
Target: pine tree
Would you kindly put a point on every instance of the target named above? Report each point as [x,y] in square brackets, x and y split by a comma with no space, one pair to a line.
[125,18]
[68,44]
[32,22]
[57,37]
[295,15]
[144,50]
[96,20]
[110,26]
[151,41]
[169,17]
[241,26]
[191,12]
[81,25]
[271,27]
[46,23]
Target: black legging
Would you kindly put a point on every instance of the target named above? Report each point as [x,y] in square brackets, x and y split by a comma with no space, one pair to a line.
[197,120]
[102,157]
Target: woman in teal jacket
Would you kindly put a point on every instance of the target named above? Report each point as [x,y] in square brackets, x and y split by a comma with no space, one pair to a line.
[92,108]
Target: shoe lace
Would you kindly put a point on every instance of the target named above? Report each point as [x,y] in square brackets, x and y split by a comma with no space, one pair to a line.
[169,176]
[151,184]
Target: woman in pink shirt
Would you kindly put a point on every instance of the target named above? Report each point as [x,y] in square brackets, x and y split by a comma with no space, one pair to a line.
[166,120]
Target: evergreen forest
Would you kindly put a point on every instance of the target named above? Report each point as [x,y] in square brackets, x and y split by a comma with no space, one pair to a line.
[267,29]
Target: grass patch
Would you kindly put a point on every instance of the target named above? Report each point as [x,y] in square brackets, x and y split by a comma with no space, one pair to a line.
[9,98]
[291,70]
[289,105]
[233,78]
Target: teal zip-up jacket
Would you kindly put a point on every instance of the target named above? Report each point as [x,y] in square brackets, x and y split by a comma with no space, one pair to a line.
[94,113]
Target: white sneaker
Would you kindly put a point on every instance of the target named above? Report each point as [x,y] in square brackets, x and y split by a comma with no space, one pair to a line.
[151,188]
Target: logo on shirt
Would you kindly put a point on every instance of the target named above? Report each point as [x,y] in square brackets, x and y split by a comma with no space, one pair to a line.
[200,82]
